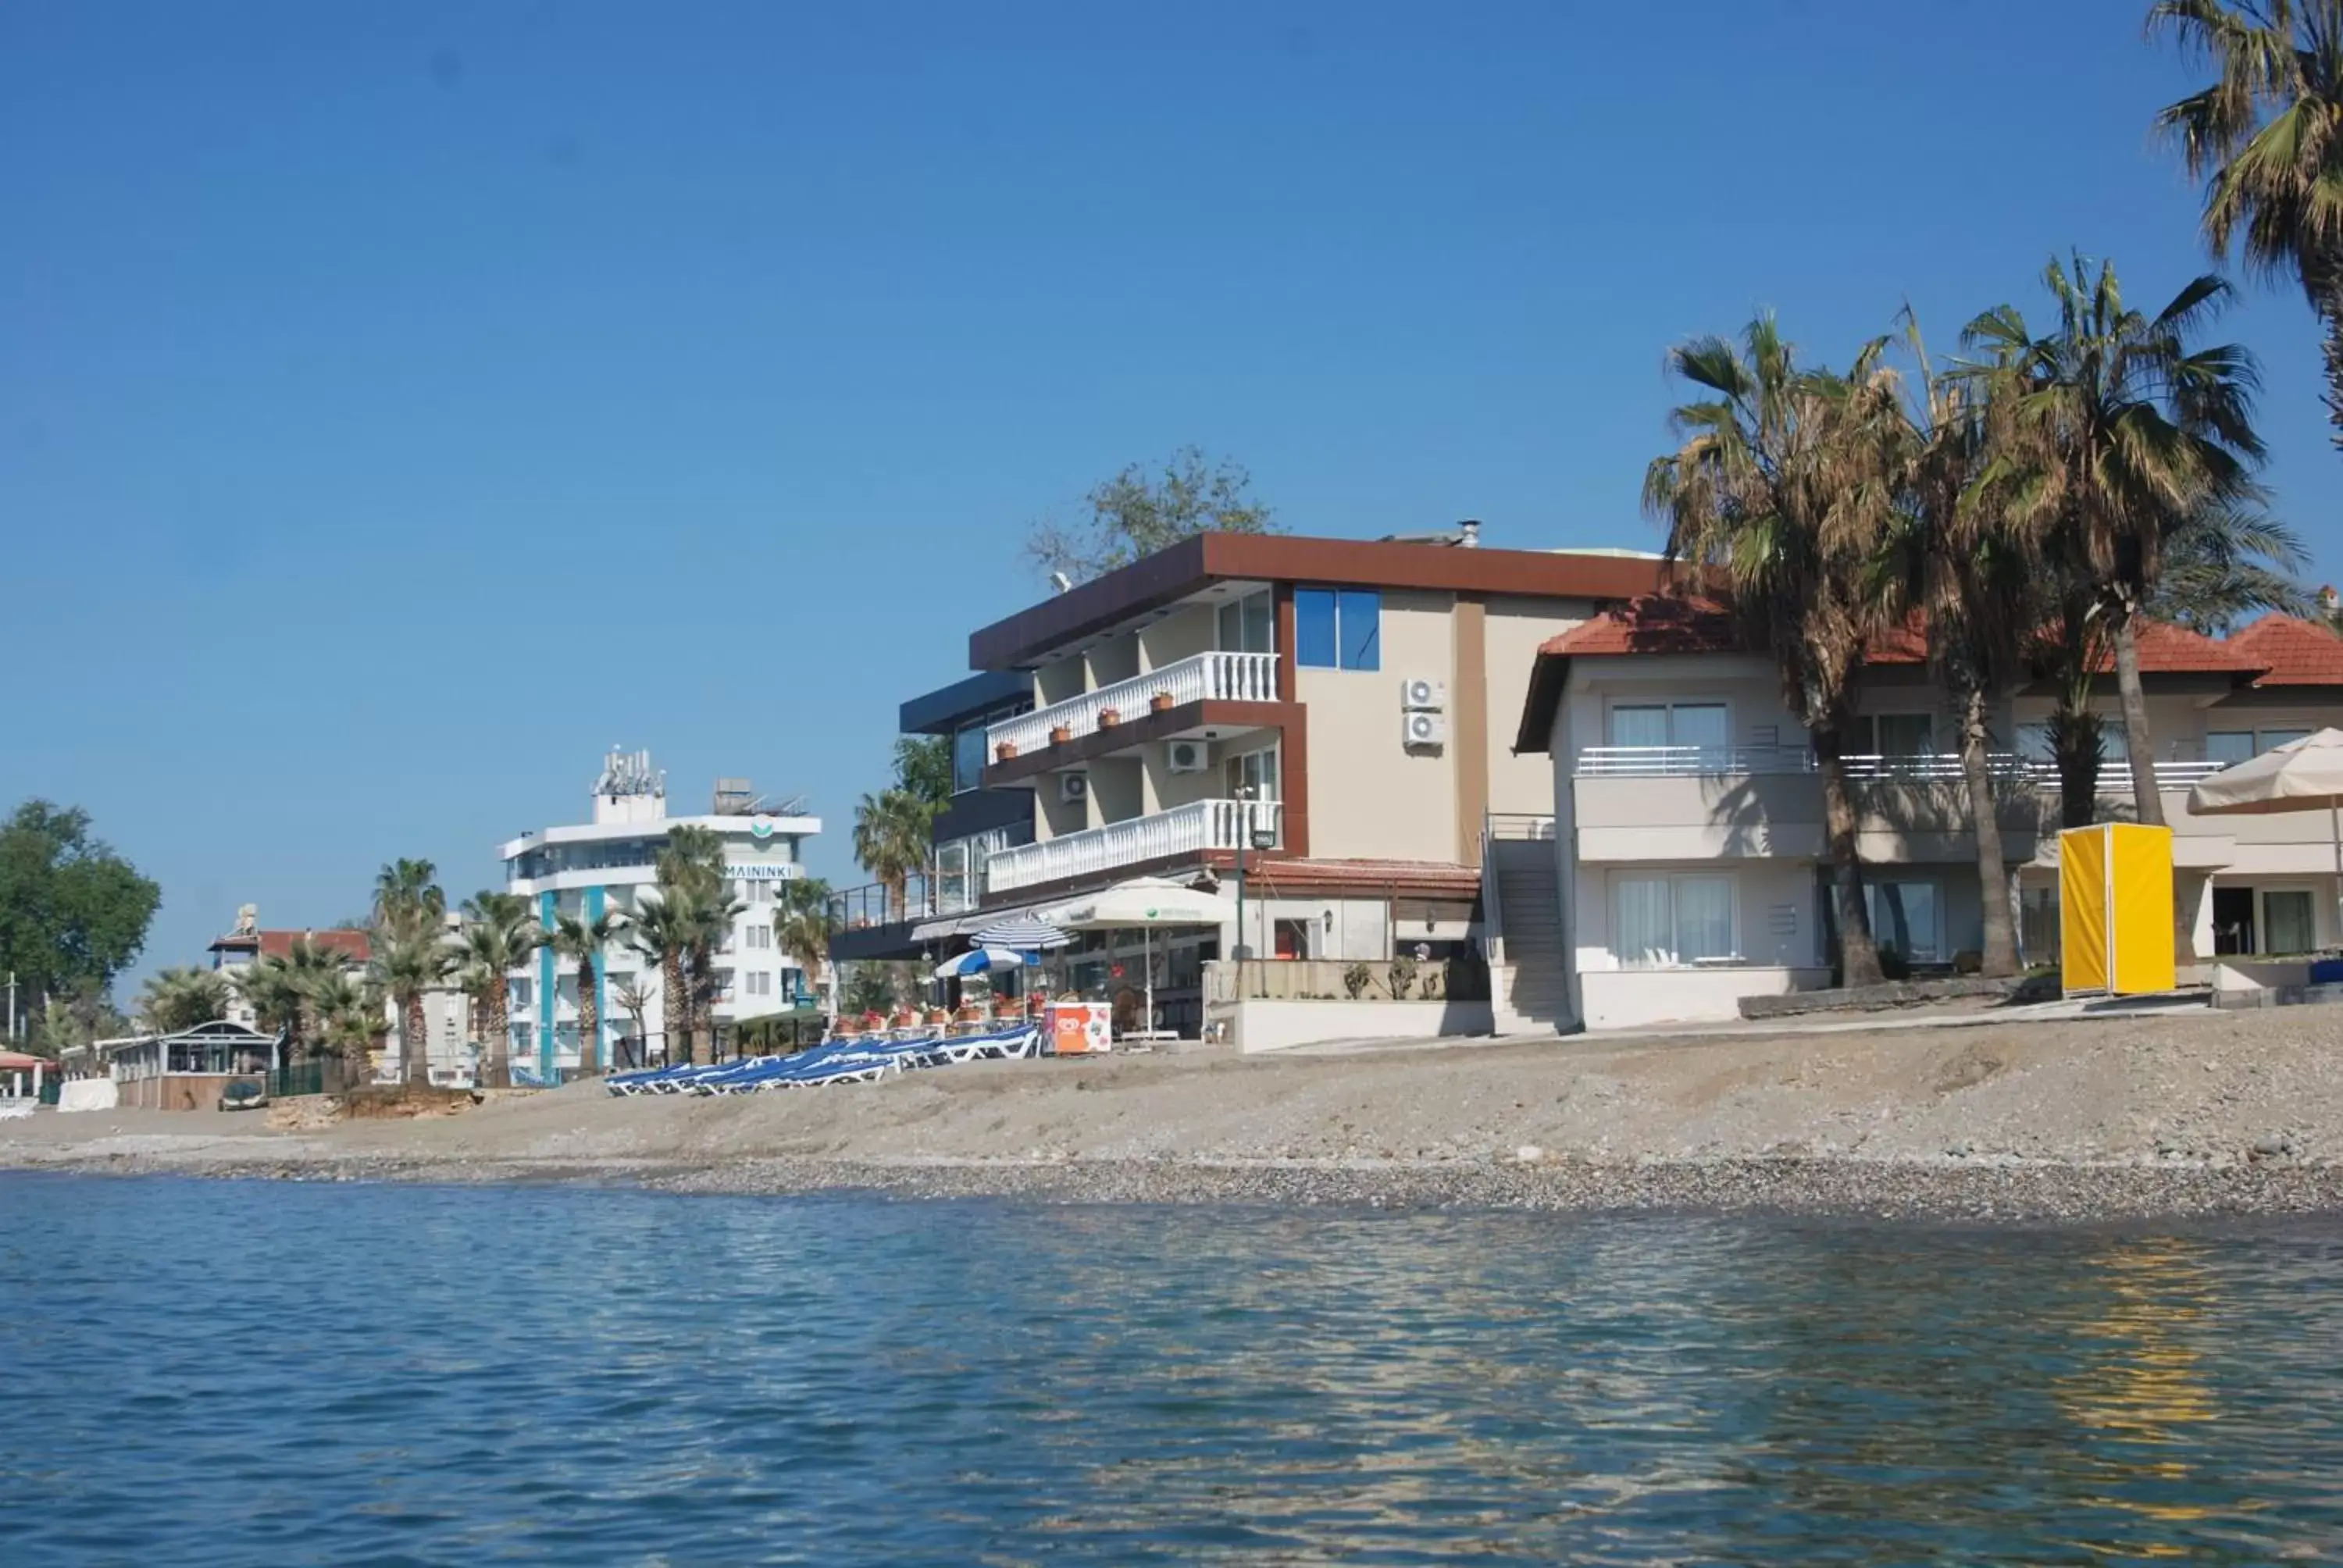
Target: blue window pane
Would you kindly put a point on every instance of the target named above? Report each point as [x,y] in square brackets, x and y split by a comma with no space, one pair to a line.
[1313,627]
[1361,615]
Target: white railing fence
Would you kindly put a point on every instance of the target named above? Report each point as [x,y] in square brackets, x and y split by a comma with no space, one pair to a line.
[1204,677]
[1190,829]
[1697,762]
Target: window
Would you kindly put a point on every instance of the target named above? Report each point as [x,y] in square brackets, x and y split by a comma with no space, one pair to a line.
[1701,724]
[2287,921]
[1892,735]
[761,935]
[1658,922]
[1904,915]
[2228,747]
[967,759]
[2274,739]
[523,991]
[1253,776]
[759,983]
[1338,628]
[1249,625]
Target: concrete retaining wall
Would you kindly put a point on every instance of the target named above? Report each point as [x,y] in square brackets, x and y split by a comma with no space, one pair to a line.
[1257,1026]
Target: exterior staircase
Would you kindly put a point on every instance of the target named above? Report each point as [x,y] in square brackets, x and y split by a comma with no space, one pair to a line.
[1521,903]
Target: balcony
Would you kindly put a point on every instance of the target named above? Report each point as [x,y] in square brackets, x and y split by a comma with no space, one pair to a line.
[1195,829]
[1711,761]
[1204,677]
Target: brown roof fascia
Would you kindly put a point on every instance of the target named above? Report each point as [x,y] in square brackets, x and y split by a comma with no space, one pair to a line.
[1183,568]
[1547,677]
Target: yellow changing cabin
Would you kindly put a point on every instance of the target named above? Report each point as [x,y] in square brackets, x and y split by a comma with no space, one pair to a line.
[2114,909]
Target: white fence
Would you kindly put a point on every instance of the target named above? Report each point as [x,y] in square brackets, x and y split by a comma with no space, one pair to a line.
[1190,829]
[1205,677]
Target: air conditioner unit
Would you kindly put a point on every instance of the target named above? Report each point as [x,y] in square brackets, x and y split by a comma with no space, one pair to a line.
[1189,755]
[1423,731]
[1073,787]
[1419,694]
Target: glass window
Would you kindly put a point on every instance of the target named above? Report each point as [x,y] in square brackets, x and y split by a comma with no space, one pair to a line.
[968,759]
[2274,739]
[1904,916]
[1907,735]
[1658,922]
[1358,614]
[1639,726]
[2228,747]
[1315,643]
[1249,625]
[2287,921]
[1701,724]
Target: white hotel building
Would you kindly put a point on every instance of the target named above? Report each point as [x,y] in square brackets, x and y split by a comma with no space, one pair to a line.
[605,865]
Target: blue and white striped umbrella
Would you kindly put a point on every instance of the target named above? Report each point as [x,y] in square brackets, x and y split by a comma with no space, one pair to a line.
[1021,934]
[980,960]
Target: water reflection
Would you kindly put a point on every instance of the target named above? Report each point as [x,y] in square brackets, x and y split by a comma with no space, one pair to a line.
[590,1377]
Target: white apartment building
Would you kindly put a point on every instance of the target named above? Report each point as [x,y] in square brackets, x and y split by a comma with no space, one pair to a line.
[609,864]
[1688,849]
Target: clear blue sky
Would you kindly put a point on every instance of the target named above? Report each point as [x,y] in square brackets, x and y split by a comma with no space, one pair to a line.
[401,404]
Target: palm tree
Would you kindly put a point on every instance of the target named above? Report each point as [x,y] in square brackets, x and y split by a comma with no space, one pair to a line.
[2227,561]
[891,831]
[634,1000]
[1778,495]
[407,902]
[497,938]
[712,918]
[2117,430]
[801,926]
[661,930]
[350,1017]
[180,999]
[693,860]
[406,966]
[582,939]
[313,965]
[269,988]
[1951,555]
[2267,137]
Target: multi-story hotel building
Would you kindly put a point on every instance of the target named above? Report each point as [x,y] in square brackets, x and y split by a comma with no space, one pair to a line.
[608,864]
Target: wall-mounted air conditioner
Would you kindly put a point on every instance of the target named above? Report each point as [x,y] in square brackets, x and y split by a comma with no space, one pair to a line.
[1189,755]
[1422,694]
[1073,787]
[1423,731]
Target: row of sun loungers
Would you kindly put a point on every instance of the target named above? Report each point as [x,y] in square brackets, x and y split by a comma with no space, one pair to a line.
[859,1060]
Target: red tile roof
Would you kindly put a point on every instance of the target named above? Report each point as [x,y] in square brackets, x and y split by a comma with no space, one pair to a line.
[1663,623]
[354,945]
[2292,652]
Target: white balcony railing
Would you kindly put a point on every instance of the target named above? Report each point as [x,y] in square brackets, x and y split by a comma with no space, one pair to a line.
[1697,762]
[1205,677]
[1190,829]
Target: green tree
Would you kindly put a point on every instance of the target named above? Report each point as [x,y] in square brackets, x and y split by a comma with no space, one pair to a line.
[274,992]
[498,936]
[73,913]
[351,1019]
[801,924]
[408,902]
[1134,514]
[581,940]
[2117,430]
[661,930]
[1778,495]
[2267,137]
[407,967]
[2226,562]
[892,833]
[923,769]
[179,998]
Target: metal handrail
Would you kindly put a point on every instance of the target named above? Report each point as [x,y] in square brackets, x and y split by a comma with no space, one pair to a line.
[1699,761]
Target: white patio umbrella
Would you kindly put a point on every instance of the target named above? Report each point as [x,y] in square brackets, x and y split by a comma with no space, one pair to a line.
[2304,775]
[1147,905]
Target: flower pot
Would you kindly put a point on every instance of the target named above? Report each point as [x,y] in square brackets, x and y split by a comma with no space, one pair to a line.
[1061,733]
[1005,752]
[969,1013]
[1160,703]
[938,1015]
[1109,718]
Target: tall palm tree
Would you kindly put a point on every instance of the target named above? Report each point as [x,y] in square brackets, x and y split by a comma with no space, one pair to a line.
[582,939]
[407,900]
[497,938]
[2117,430]
[2267,137]
[1777,494]
[693,860]
[891,831]
[801,928]
[661,930]
[350,1020]
[711,919]
[313,965]
[2226,562]
[405,966]
[1949,554]
[180,999]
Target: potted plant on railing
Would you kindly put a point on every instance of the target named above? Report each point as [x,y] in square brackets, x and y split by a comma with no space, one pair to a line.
[907,1018]
[968,1012]
[1005,752]
[1160,703]
[1061,733]
[1109,717]
[938,1015]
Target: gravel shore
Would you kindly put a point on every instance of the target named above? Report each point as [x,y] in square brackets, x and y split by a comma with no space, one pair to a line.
[2179,1114]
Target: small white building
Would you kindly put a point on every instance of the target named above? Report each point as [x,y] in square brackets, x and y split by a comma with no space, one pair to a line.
[608,864]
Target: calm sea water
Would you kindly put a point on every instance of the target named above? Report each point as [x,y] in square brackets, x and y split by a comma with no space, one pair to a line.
[214,1373]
